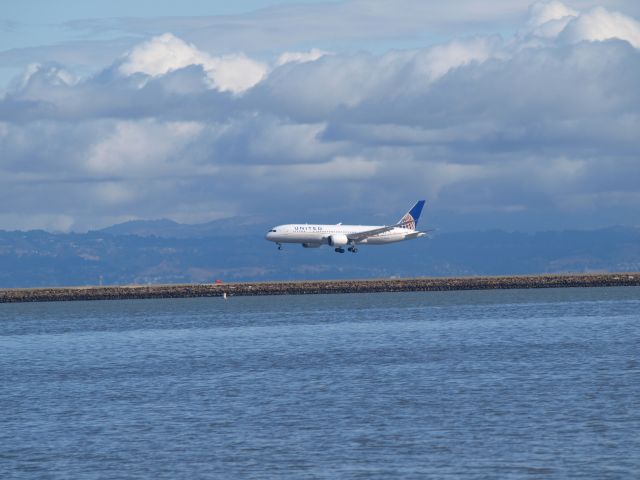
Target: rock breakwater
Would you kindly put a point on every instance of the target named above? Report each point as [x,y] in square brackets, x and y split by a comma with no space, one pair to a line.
[316,287]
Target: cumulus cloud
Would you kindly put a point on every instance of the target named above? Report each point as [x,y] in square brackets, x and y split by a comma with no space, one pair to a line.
[161,55]
[548,19]
[437,61]
[54,75]
[601,24]
[143,147]
[301,57]
[529,130]
[167,53]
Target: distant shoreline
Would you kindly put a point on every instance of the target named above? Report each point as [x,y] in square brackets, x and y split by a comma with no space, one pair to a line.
[424,284]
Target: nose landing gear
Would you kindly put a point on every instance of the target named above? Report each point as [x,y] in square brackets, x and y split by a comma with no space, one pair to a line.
[279,246]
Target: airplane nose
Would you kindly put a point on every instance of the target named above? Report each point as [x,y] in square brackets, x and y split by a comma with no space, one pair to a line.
[269,235]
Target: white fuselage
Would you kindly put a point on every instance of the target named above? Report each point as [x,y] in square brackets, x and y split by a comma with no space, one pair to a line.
[316,235]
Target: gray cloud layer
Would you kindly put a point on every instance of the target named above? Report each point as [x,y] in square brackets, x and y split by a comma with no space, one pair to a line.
[538,130]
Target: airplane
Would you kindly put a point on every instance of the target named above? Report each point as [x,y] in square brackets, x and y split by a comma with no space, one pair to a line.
[350,236]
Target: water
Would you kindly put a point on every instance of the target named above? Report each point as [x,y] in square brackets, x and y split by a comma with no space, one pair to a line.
[498,384]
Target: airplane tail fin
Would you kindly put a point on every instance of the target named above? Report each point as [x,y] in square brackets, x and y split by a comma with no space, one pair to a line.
[410,219]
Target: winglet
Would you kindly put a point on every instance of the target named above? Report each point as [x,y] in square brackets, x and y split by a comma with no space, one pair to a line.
[410,219]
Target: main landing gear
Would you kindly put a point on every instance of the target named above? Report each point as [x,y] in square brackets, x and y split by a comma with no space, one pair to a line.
[351,248]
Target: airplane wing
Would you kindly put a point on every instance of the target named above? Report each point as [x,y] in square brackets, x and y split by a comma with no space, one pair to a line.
[370,233]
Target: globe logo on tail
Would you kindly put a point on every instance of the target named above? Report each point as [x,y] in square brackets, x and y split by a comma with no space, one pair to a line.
[408,222]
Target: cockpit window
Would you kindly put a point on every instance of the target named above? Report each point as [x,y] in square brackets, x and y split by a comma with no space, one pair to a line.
[274,230]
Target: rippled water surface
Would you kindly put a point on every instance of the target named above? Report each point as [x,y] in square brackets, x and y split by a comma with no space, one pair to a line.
[497,384]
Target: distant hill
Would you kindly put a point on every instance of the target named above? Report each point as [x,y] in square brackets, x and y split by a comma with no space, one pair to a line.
[146,228]
[163,251]
[165,228]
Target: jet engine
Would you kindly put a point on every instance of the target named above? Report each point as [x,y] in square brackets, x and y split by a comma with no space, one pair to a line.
[338,240]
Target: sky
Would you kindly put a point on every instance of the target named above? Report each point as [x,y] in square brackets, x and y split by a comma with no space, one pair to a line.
[502,114]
